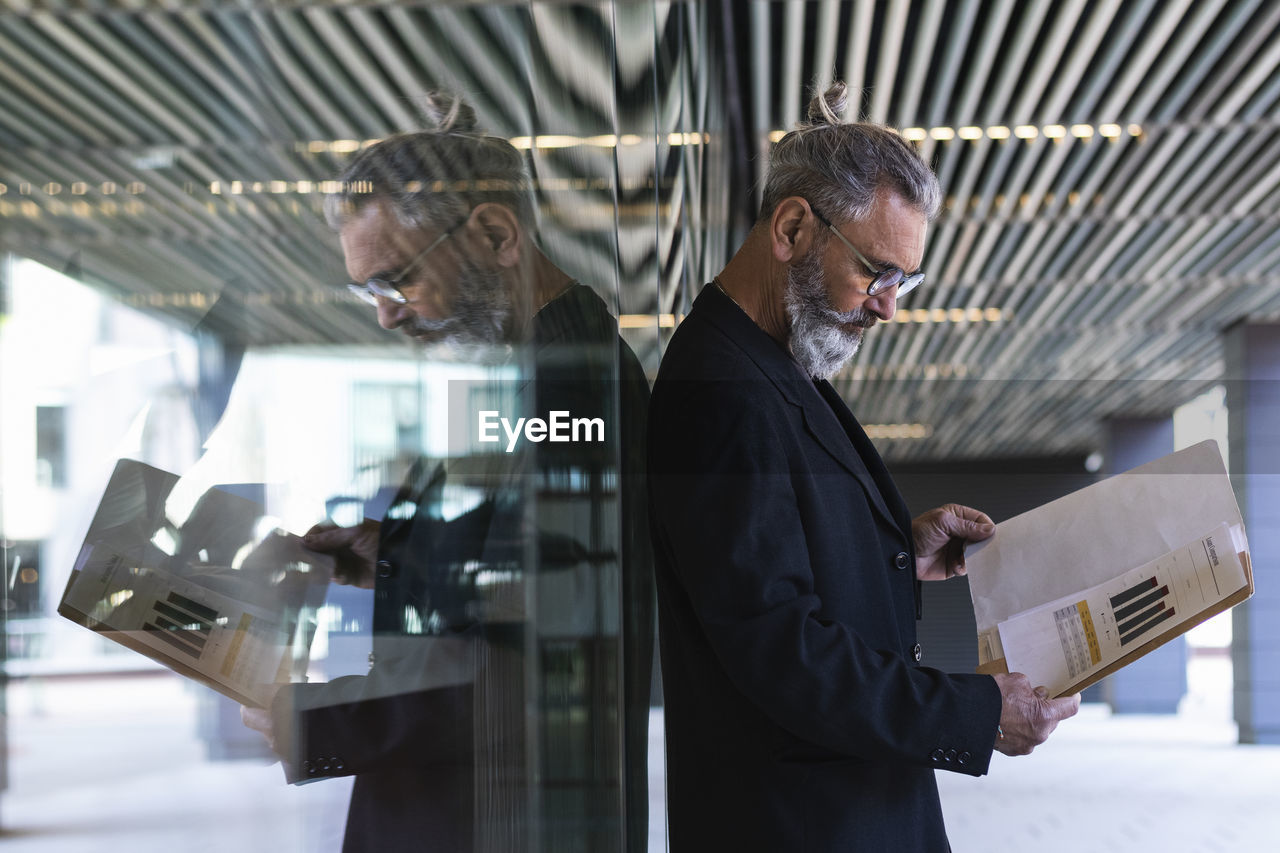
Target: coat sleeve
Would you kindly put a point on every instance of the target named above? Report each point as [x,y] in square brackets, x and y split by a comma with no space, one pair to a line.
[416,713]
[729,525]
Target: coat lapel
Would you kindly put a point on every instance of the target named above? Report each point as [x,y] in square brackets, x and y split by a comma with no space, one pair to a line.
[829,420]
[891,499]
[825,415]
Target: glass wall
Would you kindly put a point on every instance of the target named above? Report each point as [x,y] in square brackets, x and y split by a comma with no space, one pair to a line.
[263,528]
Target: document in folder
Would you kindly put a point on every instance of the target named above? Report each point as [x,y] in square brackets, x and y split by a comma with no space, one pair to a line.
[1082,586]
[185,586]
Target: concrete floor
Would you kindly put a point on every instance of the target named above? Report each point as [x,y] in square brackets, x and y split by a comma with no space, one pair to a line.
[96,769]
[1108,784]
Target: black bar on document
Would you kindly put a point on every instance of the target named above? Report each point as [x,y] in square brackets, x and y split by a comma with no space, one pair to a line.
[1125,638]
[1142,603]
[1126,627]
[169,638]
[198,609]
[194,623]
[1133,592]
[179,631]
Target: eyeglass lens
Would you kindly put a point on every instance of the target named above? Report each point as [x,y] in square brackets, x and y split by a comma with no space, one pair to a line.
[370,290]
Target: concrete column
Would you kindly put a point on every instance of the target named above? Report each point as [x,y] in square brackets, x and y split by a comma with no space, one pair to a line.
[1155,683]
[5,260]
[1253,424]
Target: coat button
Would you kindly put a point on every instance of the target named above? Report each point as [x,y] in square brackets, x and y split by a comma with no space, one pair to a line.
[937,754]
[901,561]
[950,756]
[917,652]
[385,569]
[963,757]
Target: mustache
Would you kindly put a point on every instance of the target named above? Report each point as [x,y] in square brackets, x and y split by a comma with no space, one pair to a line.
[429,331]
[857,317]
[425,325]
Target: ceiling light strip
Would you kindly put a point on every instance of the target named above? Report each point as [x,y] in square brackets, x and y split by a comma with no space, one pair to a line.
[1027,132]
[906,316]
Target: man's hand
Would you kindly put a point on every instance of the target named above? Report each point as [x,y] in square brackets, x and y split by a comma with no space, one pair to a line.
[260,720]
[940,536]
[1028,717]
[354,549]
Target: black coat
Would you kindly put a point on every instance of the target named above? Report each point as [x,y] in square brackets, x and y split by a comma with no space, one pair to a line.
[797,716]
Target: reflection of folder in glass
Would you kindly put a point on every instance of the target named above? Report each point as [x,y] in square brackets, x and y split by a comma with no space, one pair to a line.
[1078,588]
[147,580]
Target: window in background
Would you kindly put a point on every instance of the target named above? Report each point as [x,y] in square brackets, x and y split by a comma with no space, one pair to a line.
[51,446]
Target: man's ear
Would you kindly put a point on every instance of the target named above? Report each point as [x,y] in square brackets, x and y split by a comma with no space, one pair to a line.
[496,227]
[791,229]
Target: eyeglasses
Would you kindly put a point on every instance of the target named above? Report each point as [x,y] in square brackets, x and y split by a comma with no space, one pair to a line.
[881,279]
[389,288]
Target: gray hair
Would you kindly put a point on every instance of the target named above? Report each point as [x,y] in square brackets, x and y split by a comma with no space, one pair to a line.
[840,167]
[435,176]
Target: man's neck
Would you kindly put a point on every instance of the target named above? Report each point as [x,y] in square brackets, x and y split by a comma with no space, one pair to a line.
[757,283]
[549,281]
[532,285]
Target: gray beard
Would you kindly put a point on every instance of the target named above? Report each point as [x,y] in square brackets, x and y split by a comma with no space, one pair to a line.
[822,339]
[481,312]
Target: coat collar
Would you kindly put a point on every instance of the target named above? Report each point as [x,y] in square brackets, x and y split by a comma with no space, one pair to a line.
[825,415]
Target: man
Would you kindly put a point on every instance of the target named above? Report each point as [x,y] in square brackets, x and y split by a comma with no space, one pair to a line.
[436,229]
[797,715]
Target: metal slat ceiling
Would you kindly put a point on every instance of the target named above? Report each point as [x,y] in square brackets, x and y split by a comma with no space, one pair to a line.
[1115,262]
[1111,171]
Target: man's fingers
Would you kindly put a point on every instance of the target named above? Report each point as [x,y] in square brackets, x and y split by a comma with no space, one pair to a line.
[1029,716]
[1061,709]
[251,717]
[1052,712]
[974,531]
[257,719]
[330,539]
[968,513]
[979,530]
[966,522]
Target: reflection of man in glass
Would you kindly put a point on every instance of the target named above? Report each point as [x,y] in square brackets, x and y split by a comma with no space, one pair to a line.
[436,230]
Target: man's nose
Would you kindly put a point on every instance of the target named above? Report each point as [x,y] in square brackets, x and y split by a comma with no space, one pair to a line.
[391,315]
[884,304]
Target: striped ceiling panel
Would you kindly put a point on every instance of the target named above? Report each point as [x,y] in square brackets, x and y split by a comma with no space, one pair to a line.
[1111,172]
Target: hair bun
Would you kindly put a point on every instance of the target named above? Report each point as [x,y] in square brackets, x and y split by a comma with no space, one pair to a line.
[447,113]
[828,107]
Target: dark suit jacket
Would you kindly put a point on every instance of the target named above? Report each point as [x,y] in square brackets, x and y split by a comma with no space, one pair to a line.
[797,716]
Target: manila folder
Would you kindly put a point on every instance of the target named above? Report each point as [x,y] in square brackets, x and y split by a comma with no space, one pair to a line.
[1084,585]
